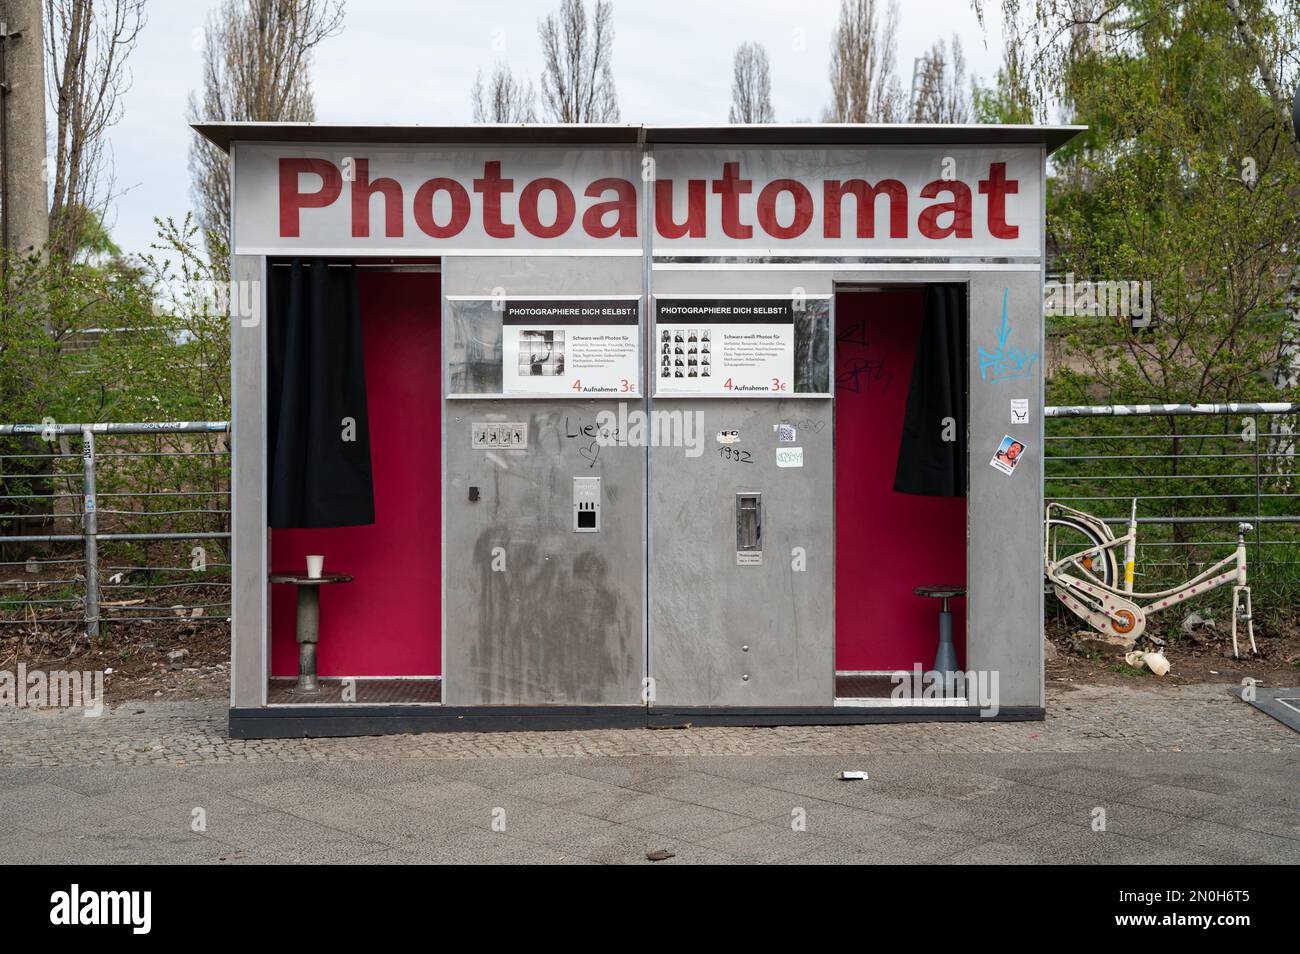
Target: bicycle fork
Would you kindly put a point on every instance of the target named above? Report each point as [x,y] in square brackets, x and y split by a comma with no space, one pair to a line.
[1242,589]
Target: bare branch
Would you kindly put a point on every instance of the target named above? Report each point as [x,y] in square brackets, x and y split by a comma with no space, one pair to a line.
[256,67]
[503,99]
[864,83]
[86,47]
[578,77]
[751,86]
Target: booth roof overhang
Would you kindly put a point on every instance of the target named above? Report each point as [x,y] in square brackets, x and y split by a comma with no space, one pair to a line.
[222,134]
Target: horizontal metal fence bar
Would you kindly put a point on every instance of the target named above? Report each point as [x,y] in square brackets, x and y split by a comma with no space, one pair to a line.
[159,619]
[77,537]
[1158,477]
[187,569]
[78,600]
[213,535]
[42,620]
[162,454]
[169,493]
[161,513]
[40,496]
[37,516]
[1157,410]
[1233,434]
[1263,496]
[163,427]
[161,586]
[1050,457]
[1239,518]
[155,609]
[38,582]
[1220,541]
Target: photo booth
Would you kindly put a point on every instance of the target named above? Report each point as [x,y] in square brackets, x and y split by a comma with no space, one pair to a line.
[635,425]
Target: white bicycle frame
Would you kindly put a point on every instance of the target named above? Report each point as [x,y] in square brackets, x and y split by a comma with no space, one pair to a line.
[1119,610]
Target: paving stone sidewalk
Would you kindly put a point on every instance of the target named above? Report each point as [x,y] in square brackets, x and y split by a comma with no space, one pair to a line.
[1182,775]
[1185,719]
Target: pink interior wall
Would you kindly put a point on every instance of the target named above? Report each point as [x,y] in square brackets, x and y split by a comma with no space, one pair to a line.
[886,543]
[388,621]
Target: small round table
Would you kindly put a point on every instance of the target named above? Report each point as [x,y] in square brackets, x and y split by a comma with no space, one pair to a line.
[308,629]
[945,660]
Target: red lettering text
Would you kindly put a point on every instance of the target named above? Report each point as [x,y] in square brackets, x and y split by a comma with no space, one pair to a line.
[292,201]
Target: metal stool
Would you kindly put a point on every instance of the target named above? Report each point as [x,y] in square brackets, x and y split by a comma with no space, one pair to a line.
[945,660]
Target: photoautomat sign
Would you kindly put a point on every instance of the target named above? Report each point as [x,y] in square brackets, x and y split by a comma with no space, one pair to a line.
[572,346]
[420,199]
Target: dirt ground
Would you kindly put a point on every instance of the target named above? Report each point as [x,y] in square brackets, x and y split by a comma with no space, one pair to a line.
[1204,656]
[140,668]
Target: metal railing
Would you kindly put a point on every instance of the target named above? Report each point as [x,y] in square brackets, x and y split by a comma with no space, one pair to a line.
[160,486]
[1197,471]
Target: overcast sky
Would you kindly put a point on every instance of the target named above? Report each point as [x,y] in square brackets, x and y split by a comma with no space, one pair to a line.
[404,61]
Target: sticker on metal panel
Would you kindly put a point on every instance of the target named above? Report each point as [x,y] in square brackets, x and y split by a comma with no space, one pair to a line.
[1008,454]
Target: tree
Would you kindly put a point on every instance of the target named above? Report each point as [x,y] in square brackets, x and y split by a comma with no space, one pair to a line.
[26,211]
[503,99]
[578,78]
[1006,101]
[1184,179]
[940,93]
[751,86]
[256,67]
[86,47]
[1267,60]
[864,84]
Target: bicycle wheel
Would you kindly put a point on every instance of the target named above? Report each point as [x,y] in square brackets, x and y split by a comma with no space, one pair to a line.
[1065,536]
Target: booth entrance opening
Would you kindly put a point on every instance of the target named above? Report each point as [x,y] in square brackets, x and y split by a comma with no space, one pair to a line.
[380,634]
[888,542]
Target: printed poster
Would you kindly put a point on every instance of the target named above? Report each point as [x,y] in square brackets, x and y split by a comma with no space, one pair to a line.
[727,347]
[571,346]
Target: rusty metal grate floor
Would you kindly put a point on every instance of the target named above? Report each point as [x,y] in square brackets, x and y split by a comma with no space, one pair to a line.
[872,686]
[368,691]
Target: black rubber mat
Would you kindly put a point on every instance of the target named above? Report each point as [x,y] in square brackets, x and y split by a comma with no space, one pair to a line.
[1282,704]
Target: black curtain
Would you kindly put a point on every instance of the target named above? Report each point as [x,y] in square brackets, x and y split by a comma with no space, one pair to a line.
[927,464]
[316,378]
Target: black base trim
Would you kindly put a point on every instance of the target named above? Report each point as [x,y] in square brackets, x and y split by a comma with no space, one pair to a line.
[296,722]
[834,715]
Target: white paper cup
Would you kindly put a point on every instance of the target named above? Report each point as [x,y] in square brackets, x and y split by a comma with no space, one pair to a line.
[1157,663]
[315,563]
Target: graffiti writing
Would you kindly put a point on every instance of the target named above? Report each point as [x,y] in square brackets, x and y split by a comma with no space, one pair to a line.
[1007,362]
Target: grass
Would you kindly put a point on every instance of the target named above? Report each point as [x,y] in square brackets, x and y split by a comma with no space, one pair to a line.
[1130,672]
